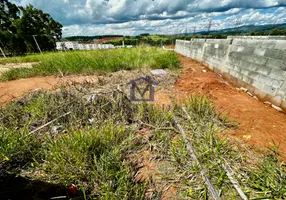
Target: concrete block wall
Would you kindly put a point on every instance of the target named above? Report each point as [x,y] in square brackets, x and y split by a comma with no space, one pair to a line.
[258,37]
[257,64]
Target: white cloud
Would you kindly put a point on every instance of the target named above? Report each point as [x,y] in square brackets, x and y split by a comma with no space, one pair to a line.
[92,17]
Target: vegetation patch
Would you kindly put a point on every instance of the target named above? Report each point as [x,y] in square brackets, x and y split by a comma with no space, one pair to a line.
[102,146]
[91,62]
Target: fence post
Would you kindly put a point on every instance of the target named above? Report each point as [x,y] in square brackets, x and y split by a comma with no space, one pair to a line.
[2,52]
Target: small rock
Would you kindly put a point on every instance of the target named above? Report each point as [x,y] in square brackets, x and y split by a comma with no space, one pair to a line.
[255,97]
[247,137]
[277,108]
[267,103]
[38,90]
[91,120]
[158,72]
[249,94]
[204,71]
[243,89]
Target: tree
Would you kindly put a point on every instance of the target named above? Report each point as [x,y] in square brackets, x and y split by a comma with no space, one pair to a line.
[9,39]
[35,22]
[20,24]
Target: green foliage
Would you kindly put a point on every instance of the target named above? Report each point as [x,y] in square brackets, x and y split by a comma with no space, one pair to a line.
[85,39]
[21,23]
[91,62]
[88,156]
[94,155]
[80,155]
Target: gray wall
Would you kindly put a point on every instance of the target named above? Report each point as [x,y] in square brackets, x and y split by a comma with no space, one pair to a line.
[256,64]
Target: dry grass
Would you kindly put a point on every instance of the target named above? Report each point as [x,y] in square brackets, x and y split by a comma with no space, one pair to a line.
[111,148]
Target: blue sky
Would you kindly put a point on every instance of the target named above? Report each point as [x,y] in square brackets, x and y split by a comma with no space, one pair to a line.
[132,17]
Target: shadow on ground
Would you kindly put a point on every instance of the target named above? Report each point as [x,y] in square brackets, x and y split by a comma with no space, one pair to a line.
[19,188]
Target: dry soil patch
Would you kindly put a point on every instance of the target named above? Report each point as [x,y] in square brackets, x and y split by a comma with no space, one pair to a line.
[9,66]
[260,125]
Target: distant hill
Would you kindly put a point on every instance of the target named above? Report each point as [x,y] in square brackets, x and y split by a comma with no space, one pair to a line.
[159,39]
[90,38]
[248,29]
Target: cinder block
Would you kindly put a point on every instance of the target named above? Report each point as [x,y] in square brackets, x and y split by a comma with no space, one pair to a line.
[243,63]
[224,69]
[277,84]
[232,73]
[238,75]
[255,59]
[281,93]
[260,93]
[283,105]
[270,44]
[272,53]
[277,64]
[238,42]
[264,70]
[254,43]
[258,85]
[240,48]
[277,74]
[233,48]
[254,76]
[247,80]
[283,56]
[277,100]
[266,80]
[280,45]
[244,71]
[232,61]
[253,66]
[248,50]
[237,68]
[251,43]
[259,51]
[269,90]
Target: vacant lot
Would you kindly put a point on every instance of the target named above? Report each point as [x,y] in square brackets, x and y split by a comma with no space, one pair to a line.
[87,140]
[91,62]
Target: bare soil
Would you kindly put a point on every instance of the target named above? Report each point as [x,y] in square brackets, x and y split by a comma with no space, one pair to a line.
[8,66]
[107,39]
[13,90]
[261,126]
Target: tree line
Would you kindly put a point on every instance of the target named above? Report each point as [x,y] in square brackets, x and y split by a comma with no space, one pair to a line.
[21,27]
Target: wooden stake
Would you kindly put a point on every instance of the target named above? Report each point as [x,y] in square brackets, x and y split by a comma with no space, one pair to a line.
[194,157]
[37,43]
[226,168]
[2,52]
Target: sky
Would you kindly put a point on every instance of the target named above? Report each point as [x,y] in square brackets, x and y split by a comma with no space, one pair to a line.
[133,17]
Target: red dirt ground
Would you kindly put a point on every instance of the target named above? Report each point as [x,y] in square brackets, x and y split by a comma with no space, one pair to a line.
[14,89]
[260,125]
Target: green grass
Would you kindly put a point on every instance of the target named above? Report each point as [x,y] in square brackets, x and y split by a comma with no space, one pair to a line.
[91,62]
[91,148]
